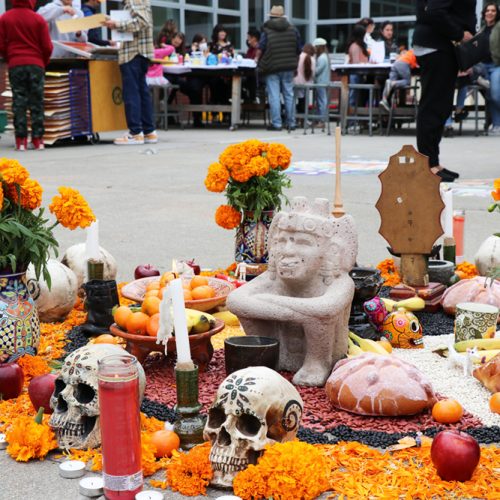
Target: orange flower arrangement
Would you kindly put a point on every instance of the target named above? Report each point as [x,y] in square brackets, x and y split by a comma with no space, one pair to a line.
[466,270]
[252,175]
[27,237]
[495,194]
[389,272]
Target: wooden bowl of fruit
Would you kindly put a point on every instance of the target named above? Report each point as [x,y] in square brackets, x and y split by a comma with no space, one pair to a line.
[202,293]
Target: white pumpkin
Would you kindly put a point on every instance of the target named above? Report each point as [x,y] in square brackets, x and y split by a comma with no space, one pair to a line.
[54,304]
[76,259]
[488,255]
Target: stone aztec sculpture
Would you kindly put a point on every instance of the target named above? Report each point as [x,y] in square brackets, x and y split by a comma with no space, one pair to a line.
[304,297]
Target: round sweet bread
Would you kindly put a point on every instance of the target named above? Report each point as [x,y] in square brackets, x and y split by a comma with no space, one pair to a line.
[371,384]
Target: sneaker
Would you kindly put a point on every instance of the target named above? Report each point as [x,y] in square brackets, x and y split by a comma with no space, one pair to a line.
[21,143]
[385,105]
[37,143]
[151,138]
[129,140]
[483,82]
[495,130]
[275,129]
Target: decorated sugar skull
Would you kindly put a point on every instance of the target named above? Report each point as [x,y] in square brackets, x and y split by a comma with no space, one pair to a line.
[403,329]
[75,400]
[376,311]
[254,407]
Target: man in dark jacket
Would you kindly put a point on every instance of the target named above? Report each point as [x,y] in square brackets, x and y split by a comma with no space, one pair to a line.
[26,46]
[94,35]
[440,23]
[278,54]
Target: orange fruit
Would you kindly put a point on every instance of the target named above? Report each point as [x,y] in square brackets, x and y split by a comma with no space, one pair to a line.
[153,285]
[166,278]
[495,403]
[197,281]
[187,294]
[152,293]
[447,411]
[203,292]
[153,325]
[151,305]
[165,443]
[121,315]
[105,338]
[136,323]
[161,292]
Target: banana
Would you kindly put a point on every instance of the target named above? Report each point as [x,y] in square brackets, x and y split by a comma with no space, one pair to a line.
[201,321]
[354,350]
[388,303]
[412,304]
[486,356]
[481,344]
[228,317]
[189,323]
[368,345]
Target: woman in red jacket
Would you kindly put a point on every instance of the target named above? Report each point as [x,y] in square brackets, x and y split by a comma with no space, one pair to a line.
[26,46]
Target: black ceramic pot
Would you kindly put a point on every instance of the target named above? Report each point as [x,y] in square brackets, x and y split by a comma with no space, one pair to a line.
[242,352]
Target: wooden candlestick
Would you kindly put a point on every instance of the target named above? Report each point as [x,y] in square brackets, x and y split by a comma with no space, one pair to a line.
[338,208]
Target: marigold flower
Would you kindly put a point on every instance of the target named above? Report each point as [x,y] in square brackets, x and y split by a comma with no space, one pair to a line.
[227,217]
[12,172]
[217,177]
[241,172]
[496,186]
[253,147]
[71,209]
[388,272]
[278,156]
[258,166]
[1,197]
[31,194]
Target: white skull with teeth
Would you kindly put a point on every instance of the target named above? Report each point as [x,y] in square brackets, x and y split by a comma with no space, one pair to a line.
[75,399]
[254,407]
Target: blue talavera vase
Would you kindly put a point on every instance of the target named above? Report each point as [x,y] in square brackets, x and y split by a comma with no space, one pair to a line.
[251,238]
[19,323]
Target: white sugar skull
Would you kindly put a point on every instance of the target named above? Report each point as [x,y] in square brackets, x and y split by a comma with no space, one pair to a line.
[75,400]
[254,407]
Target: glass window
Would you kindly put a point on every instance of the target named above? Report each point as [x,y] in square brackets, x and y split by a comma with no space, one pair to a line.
[256,14]
[403,33]
[160,16]
[300,9]
[232,24]
[200,2]
[198,22]
[229,4]
[381,8]
[327,9]
[336,35]
[302,29]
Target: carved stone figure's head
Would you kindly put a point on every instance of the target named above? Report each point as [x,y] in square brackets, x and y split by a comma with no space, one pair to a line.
[75,399]
[254,407]
[308,239]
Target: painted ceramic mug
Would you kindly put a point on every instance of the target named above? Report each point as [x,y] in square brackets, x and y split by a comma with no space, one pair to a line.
[475,321]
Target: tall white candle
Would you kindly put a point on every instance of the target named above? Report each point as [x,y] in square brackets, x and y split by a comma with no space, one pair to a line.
[447,216]
[180,324]
[92,243]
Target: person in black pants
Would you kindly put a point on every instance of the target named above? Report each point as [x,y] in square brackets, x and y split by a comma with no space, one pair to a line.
[439,24]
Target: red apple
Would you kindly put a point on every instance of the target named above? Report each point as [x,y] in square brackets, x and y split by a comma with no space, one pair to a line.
[40,390]
[455,455]
[11,380]
[145,271]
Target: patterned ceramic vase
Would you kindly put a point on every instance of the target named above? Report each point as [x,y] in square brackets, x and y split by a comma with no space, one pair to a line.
[19,324]
[251,238]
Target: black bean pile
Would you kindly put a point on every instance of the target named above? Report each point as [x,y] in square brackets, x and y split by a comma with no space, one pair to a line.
[76,339]
[157,410]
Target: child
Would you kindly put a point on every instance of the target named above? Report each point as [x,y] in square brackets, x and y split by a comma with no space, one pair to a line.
[400,76]
[322,76]
[305,73]
[26,46]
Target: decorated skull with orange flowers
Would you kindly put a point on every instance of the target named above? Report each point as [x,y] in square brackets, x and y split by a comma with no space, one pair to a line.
[403,330]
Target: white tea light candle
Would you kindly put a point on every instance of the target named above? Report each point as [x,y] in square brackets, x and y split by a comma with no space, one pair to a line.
[149,495]
[91,486]
[3,442]
[72,469]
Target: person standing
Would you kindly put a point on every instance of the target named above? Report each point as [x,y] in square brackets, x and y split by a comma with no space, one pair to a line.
[322,77]
[277,57]
[439,24]
[60,10]
[133,58]
[91,8]
[26,47]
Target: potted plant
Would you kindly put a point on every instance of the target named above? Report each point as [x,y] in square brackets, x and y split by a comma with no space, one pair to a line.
[26,236]
[252,176]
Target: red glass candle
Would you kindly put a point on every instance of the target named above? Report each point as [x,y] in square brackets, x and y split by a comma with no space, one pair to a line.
[458,233]
[120,426]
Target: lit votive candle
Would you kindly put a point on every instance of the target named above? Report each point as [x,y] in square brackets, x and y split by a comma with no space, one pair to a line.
[91,486]
[72,469]
[149,495]
[3,442]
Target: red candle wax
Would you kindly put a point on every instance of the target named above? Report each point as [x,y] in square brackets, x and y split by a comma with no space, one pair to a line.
[458,232]
[120,429]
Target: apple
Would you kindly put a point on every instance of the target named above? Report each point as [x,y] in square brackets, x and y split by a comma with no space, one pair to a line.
[40,390]
[195,267]
[455,455]
[145,271]
[11,380]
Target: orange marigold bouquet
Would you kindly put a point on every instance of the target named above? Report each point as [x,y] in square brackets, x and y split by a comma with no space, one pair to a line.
[252,175]
[495,194]
[27,236]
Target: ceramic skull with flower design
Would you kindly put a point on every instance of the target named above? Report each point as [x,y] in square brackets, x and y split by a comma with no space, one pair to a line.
[304,297]
[75,401]
[253,408]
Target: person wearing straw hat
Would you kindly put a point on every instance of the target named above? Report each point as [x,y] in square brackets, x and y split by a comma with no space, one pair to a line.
[278,55]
